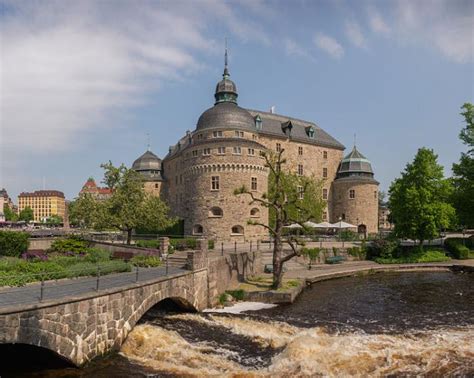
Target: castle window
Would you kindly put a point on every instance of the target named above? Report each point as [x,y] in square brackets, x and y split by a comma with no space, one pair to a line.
[343,216]
[176,180]
[278,147]
[325,154]
[300,169]
[199,136]
[237,150]
[375,194]
[325,172]
[251,151]
[197,229]
[216,212]
[310,132]
[325,194]
[239,134]
[300,150]
[237,230]
[255,213]
[221,150]
[215,183]
[254,137]
[254,183]
[300,192]
[206,151]
[217,134]
[195,153]
[156,186]
[258,122]
[325,215]
[352,194]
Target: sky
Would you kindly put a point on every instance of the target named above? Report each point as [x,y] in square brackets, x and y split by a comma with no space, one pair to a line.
[84,82]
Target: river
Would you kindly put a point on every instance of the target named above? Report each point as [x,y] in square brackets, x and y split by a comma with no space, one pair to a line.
[375,325]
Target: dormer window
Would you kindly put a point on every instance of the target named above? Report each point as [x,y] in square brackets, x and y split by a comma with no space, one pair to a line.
[310,131]
[287,127]
[258,122]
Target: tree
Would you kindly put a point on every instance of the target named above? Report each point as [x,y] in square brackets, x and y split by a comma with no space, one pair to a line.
[419,199]
[463,179]
[129,206]
[26,214]
[10,215]
[54,220]
[290,199]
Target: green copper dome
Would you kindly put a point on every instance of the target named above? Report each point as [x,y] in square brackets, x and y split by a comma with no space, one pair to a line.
[226,90]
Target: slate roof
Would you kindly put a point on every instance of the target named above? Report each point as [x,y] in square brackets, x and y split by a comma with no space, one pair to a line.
[275,124]
[226,115]
[355,165]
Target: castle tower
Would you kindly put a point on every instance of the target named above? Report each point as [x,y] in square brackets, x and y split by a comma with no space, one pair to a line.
[355,193]
[149,166]
[206,166]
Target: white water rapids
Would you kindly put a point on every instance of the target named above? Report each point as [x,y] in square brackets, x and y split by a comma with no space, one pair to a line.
[303,352]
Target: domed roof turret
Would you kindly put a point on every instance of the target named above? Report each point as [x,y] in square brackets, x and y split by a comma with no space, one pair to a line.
[355,164]
[226,113]
[149,166]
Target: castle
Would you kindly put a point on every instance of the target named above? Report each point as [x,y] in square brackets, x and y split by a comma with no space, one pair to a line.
[198,176]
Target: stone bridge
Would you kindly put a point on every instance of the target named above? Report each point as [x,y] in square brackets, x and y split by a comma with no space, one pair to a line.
[83,327]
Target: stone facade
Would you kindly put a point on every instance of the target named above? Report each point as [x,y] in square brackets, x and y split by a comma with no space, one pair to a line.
[362,209]
[84,327]
[201,172]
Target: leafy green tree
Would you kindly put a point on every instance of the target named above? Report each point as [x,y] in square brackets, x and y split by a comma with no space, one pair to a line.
[54,220]
[463,171]
[128,208]
[290,199]
[26,214]
[10,215]
[419,199]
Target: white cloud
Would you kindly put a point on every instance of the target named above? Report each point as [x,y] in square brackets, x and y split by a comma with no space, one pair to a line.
[329,45]
[292,48]
[376,22]
[70,69]
[443,24]
[355,35]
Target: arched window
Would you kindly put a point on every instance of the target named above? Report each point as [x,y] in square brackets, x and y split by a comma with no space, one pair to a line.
[215,212]
[237,230]
[255,212]
[197,229]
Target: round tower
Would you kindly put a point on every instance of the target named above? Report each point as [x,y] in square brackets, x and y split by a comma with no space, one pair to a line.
[149,166]
[222,155]
[355,193]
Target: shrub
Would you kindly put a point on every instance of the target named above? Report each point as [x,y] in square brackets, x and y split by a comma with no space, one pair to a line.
[13,243]
[335,251]
[358,252]
[36,254]
[237,294]
[72,245]
[146,261]
[382,248]
[312,253]
[456,248]
[183,244]
[96,255]
[348,235]
[416,256]
[148,244]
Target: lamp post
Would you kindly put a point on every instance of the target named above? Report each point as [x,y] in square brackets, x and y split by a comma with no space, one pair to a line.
[165,256]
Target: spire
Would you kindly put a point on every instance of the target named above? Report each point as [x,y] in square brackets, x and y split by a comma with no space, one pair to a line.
[148,141]
[226,70]
[355,141]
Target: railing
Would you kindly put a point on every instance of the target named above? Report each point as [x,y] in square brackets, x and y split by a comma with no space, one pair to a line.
[77,282]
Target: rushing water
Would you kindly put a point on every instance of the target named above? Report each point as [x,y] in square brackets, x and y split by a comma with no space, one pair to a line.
[382,324]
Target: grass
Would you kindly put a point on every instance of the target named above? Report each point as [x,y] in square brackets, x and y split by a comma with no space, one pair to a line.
[418,257]
[262,283]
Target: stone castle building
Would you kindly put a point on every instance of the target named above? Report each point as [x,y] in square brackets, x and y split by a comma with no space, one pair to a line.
[198,176]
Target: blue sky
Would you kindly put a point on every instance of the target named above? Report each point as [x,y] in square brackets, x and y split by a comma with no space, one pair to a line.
[85,82]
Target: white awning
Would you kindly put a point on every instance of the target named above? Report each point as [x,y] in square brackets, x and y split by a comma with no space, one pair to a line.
[342,224]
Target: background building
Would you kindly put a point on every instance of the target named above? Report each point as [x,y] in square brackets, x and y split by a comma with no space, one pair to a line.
[90,187]
[44,204]
[198,176]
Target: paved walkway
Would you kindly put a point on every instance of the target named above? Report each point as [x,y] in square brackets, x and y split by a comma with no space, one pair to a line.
[325,271]
[31,294]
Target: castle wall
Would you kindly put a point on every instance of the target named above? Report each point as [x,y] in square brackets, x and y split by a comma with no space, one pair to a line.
[153,187]
[363,209]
